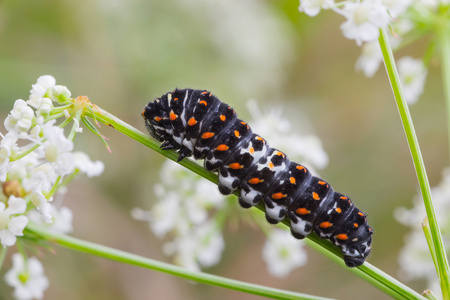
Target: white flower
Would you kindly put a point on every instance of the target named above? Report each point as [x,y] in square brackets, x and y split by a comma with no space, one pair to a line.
[12,226]
[415,259]
[277,129]
[45,107]
[364,19]
[210,245]
[283,253]
[199,248]
[87,166]
[60,93]
[164,214]
[370,58]
[20,118]
[7,144]
[312,7]
[58,150]
[41,89]
[43,207]
[397,7]
[62,219]
[28,278]
[412,74]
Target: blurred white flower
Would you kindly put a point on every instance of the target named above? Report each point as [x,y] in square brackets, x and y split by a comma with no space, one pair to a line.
[58,150]
[313,7]
[276,129]
[12,225]
[20,118]
[45,107]
[414,259]
[364,20]
[83,163]
[397,7]
[370,59]
[283,253]
[7,144]
[199,248]
[41,90]
[163,215]
[27,278]
[61,219]
[60,93]
[413,75]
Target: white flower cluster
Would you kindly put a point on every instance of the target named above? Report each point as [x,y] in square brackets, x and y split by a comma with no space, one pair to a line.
[415,259]
[35,158]
[193,211]
[185,210]
[364,18]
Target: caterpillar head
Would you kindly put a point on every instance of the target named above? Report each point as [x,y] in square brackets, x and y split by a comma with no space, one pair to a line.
[356,252]
[156,120]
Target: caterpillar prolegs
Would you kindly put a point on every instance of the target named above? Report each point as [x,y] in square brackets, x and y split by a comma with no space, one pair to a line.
[195,122]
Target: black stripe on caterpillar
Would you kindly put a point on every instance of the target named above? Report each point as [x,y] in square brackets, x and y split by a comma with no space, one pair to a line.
[195,122]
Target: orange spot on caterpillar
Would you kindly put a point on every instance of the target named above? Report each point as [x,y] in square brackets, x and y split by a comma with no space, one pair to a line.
[361,214]
[222,117]
[235,166]
[175,99]
[192,121]
[278,196]
[157,119]
[203,102]
[251,150]
[301,168]
[243,123]
[315,196]
[370,229]
[343,198]
[207,135]
[356,225]
[259,138]
[142,113]
[222,147]
[338,209]
[236,133]
[271,165]
[292,180]
[322,182]
[302,211]
[279,153]
[255,180]
[204,93]
[173,116]
[342,236]
[325,225]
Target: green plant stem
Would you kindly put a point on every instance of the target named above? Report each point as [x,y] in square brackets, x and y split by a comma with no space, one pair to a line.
[128,258]
[444,41]
[443,269]
[3,251]
[368,272]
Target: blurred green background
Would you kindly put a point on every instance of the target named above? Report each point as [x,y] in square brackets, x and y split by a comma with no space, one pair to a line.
[122,54]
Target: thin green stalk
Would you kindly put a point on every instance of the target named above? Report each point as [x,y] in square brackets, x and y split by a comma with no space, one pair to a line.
[444,41]
[3,251]
[367,272]
[443,268]
[132,259]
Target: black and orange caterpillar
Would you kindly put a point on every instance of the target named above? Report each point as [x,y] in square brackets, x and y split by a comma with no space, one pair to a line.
[195,122]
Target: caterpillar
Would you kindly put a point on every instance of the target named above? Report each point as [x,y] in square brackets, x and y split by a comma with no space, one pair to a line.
[195,122]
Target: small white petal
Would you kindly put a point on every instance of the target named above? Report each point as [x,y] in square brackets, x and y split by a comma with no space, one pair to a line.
[7,238]
[17,225]
[16,205]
